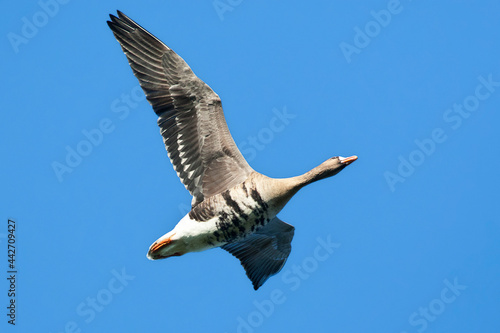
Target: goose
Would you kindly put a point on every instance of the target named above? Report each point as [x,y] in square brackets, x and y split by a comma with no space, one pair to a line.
[233,206]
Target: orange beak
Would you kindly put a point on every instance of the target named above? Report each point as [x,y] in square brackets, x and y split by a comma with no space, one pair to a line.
[349,160]
[158,245]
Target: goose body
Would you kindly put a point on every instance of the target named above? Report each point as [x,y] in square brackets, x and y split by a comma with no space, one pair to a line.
[233,206]
[227,216]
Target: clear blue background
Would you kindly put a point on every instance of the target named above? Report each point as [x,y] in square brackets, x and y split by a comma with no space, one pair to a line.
[397,246]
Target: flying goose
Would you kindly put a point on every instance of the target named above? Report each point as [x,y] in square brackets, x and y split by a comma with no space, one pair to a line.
[233,206]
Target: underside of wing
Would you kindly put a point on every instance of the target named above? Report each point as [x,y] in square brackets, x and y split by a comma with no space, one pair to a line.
[263,253]
[191,119]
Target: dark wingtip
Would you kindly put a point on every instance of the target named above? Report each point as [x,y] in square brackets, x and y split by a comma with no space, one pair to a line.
[120,13]
[121,24]
[112,20]
[113,17]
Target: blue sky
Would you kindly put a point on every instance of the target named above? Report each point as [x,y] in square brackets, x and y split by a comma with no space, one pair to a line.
[406,239]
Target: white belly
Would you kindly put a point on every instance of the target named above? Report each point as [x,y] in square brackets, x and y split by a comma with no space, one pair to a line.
[225,217]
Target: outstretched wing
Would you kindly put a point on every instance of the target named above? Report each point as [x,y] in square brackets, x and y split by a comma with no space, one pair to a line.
[264,252]
[191,119]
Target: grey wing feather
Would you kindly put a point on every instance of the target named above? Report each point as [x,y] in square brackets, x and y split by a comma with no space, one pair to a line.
[263,253]
[191,119]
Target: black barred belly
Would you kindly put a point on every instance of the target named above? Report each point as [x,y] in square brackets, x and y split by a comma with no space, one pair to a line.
[236,213]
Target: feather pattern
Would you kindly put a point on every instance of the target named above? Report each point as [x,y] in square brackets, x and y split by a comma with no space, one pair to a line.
[191,119]
[264,252]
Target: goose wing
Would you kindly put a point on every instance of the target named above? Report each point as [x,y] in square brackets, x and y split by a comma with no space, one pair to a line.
[191,119]
[263,253]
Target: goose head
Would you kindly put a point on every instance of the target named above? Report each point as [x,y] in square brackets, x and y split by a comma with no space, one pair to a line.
[166,246]
[334,165]
[328,168]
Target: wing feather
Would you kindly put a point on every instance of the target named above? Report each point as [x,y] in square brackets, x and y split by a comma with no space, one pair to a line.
[191,119]
[263,253]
